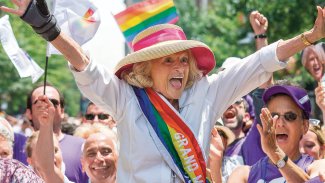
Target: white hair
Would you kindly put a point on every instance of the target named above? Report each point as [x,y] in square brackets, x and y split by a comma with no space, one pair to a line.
[6,130]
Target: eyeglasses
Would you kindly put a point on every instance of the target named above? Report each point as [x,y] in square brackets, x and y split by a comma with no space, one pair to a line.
[288,116]
[100,116]
[54,102]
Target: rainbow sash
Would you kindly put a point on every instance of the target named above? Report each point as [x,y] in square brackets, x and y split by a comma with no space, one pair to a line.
[174,134]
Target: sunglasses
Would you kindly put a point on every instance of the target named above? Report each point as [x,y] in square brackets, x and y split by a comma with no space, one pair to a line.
[54,102]
[100,116]
[288,116]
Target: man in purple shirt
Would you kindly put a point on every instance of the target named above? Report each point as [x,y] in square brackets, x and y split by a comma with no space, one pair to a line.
[70,145]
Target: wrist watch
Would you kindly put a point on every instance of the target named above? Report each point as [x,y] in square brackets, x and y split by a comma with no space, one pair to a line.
[282,162]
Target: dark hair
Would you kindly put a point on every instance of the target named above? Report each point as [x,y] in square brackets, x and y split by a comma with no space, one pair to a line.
[29,97]
[68,128]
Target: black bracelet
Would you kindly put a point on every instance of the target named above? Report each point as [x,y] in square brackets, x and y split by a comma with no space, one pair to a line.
[260,36]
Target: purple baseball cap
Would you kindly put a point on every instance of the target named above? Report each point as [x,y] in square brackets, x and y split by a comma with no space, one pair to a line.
[299,96]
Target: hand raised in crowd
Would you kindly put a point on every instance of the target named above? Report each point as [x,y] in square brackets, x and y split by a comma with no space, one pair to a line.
[258,22]
[47,109]
[320,96]
[217,148]
[319,26]
[268,137]
[216,155]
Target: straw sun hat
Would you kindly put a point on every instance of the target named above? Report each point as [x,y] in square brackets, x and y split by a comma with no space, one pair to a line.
[163,40]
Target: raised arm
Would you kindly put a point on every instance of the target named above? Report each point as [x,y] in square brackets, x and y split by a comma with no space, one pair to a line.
[45,145]
[37,15]
[289,47]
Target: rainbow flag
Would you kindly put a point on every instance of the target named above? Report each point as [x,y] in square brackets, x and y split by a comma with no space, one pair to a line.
[144,14]
[80,19]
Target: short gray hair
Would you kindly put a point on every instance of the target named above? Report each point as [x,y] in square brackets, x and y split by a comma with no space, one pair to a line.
[6,130]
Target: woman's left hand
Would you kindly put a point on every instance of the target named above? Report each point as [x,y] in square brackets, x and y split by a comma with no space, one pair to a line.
[319,26]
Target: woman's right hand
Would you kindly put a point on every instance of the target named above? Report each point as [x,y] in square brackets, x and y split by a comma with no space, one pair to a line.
[21,4]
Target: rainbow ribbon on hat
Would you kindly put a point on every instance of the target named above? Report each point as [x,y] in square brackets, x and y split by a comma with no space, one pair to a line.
[142,15]
[175,135]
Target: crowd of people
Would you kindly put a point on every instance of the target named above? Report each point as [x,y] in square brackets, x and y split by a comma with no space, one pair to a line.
[162,116]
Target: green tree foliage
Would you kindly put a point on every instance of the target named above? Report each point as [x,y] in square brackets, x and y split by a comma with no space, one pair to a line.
[225,22]
[14,90]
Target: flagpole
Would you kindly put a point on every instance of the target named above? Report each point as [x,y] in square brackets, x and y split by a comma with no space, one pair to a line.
[48,54]
[45,72]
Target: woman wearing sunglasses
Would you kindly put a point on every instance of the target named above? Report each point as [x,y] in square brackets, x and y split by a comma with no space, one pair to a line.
[284,121]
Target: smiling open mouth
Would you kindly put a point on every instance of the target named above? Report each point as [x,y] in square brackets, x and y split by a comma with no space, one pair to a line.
[100,168]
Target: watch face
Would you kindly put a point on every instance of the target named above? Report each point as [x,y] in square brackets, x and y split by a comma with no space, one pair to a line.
[281,163]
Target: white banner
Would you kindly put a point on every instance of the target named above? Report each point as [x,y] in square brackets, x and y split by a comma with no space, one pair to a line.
[24,64]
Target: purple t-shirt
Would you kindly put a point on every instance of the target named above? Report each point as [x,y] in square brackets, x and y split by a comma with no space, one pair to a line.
[264,171]
[248,149]
[71,152]
[19,148]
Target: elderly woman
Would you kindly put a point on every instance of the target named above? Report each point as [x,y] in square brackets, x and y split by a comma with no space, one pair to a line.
[164,103]
[313,59]
[6,139]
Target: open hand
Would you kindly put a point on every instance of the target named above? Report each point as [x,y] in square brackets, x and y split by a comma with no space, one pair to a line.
[216,145]
[319,26]
[267,132]
[21,4]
